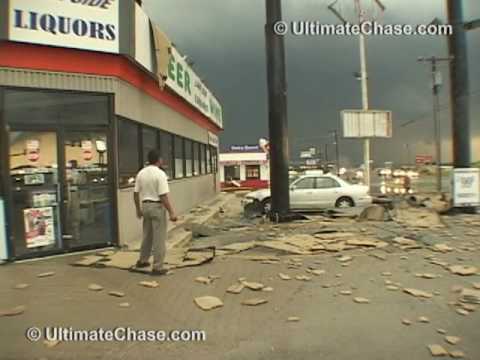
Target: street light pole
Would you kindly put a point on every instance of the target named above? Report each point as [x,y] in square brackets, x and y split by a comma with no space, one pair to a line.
[277,113]
[365,105]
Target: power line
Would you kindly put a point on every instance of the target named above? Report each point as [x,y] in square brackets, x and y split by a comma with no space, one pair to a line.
[441,108]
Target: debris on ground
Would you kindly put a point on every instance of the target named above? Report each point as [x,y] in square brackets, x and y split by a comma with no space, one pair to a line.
[46,274]
[442,331]
[254,302]
[373,213]
[208,302]
[116,293]
[416,217]
[124,304]
[462,312]
[418,293]
[255,286]
[426,275]
[90,260]
[406,243]
[95,287]
[13,312]
[293,319]
[175,258]
[423,319]
[284,276]
[437,350]
[21,286]
[463,270]
[149,284]
[406,322]
[235,288]
[454,340]
[392,288]
[51,343]
[457,354]
[199,230]
[470,296]
[303,278]
[361,300]
[205,279]
[443,248]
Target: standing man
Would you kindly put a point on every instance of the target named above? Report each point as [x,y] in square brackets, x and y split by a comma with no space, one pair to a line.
[152,203]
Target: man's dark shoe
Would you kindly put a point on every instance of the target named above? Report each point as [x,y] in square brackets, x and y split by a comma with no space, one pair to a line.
[159,272]
[141,264]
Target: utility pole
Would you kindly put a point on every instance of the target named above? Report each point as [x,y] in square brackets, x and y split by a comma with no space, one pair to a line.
[364,79]
[277,113]
[459,83]
[436,84]
[363,74]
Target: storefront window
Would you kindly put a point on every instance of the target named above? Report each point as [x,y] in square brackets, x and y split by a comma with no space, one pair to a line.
[196,160]
[252,172]
[214,153]
[149,142]
[189,158]
[209,160]
[203,154]
[179,157]
[128,156]
[54,107]
[232,172]
[166,152]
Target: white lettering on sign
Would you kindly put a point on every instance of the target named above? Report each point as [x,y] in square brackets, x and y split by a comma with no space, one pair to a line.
[82,24]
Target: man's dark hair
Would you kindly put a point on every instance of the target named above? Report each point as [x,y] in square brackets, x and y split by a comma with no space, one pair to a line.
[153,156]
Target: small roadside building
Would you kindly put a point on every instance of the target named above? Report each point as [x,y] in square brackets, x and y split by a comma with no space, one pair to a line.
[244,165]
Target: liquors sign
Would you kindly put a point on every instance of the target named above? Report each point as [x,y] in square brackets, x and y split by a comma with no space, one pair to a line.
[81,24]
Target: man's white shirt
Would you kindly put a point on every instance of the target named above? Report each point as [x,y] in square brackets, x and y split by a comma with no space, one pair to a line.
[151,183]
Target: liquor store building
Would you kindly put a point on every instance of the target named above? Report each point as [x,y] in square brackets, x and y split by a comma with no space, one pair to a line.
[86,90]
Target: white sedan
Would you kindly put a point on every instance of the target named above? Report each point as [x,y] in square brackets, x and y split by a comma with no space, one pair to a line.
[310,192]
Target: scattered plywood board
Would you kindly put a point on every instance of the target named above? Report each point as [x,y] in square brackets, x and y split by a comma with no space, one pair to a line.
[207,303]
[418,293]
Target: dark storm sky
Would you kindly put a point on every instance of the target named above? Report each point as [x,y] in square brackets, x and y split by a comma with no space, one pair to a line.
[225,39]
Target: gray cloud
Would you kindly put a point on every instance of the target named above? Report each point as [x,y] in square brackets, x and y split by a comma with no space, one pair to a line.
[225,38]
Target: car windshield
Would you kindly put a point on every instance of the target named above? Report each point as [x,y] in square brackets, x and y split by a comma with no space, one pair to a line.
[291,179]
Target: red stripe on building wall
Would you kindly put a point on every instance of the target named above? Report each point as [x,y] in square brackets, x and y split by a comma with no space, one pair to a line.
[36,57]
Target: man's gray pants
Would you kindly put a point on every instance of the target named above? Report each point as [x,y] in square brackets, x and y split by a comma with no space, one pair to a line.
[154,234]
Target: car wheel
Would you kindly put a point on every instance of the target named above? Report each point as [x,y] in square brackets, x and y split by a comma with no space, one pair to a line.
[344,202]
[267,205]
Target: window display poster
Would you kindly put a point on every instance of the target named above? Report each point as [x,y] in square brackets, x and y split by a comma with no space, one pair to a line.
[39,226]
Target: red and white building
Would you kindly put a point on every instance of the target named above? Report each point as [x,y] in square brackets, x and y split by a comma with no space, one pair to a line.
[244,165]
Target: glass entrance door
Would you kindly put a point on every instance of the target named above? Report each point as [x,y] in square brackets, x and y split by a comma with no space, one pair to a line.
[35,193]
[86,190]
